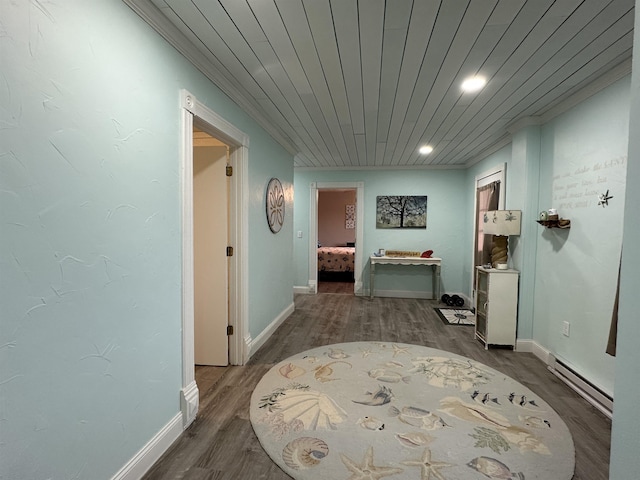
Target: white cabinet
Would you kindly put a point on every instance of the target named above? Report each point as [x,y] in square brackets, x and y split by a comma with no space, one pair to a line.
[496,306]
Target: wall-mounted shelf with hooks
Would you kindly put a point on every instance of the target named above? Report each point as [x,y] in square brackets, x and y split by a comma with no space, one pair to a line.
[560,223]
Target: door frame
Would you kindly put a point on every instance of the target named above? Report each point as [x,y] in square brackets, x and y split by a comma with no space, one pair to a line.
[193,111]
[313,231]
[498,172]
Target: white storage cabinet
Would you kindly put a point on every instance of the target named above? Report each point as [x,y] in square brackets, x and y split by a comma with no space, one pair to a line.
[496,306]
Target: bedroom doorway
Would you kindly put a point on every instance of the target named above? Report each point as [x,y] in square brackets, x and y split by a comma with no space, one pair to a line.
[336,233]
[336,240]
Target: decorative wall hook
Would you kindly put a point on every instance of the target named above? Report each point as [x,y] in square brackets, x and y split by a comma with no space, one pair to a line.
[604,199]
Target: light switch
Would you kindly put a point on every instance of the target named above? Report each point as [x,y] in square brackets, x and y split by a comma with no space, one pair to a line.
[299,233]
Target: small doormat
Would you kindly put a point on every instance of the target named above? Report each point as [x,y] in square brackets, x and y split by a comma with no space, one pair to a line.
[454,316]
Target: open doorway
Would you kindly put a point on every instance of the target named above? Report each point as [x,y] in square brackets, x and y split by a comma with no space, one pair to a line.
[315,190]
[489,195]
[230,158]
[211,187]
[210,240]
[336,240]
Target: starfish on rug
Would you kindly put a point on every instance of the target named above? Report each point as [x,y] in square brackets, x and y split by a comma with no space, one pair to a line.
[397,349]
[427,466]
[367,470]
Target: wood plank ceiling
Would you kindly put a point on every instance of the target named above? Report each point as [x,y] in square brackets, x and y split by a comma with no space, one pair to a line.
[362,83]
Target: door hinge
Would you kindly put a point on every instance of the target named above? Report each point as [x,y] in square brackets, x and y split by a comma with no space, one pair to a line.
[229,251]
[229,170]
[229,329]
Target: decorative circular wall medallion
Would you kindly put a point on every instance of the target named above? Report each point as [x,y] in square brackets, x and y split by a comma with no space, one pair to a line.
[275,205]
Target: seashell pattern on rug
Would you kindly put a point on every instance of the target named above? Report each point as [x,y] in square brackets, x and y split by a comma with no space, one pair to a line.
[367,410]
[304,452]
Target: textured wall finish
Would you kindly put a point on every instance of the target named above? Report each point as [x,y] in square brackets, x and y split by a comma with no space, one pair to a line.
[90,240]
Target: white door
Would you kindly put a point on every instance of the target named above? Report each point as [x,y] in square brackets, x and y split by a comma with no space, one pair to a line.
[211,265]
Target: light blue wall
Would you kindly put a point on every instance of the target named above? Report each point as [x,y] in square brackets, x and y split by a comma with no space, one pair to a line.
[90,347]
[568,275]
[625,436]
[445,233]
[271,260]
[523,192]
[583,154]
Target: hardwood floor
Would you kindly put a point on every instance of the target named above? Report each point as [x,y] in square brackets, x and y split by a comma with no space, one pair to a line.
[221,444]
[343,288]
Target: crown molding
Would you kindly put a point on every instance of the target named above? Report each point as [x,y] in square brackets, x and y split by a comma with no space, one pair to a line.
[490,150]
[152,15]
[609,78]
[532,120]
[616,73]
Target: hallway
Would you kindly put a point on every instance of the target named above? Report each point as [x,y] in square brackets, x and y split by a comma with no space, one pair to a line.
[221,444]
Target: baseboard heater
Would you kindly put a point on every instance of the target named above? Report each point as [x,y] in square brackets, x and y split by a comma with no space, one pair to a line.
[581,386]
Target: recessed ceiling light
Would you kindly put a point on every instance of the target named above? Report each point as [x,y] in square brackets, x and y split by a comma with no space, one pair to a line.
[426,149]
[473,84]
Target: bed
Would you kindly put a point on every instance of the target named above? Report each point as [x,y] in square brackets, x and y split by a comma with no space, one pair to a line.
[336,263]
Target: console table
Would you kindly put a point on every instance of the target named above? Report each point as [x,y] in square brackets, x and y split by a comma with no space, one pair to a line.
[433,262]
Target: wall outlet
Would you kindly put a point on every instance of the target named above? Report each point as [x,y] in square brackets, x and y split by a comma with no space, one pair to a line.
[299,233]
[565,328]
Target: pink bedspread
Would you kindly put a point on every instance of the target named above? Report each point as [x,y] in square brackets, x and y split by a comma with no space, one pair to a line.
[336,259]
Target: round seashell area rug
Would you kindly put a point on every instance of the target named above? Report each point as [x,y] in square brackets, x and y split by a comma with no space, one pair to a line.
[371,410]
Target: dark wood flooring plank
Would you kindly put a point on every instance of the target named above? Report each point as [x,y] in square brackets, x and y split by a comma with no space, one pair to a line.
[340,288]
[221,444]
[208,376]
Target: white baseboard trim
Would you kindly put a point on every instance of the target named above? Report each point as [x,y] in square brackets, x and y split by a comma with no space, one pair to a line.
[142,461]
[257,342]
[531,346]
[524,346]
[304,289]
[247,347]
[402,294]
[189,402]
[357,289]
[541,352]
[411,294]
[565,372]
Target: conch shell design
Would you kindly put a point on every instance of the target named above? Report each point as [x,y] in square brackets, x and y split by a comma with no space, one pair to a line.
[290,371]
[314,409]
[304,452]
